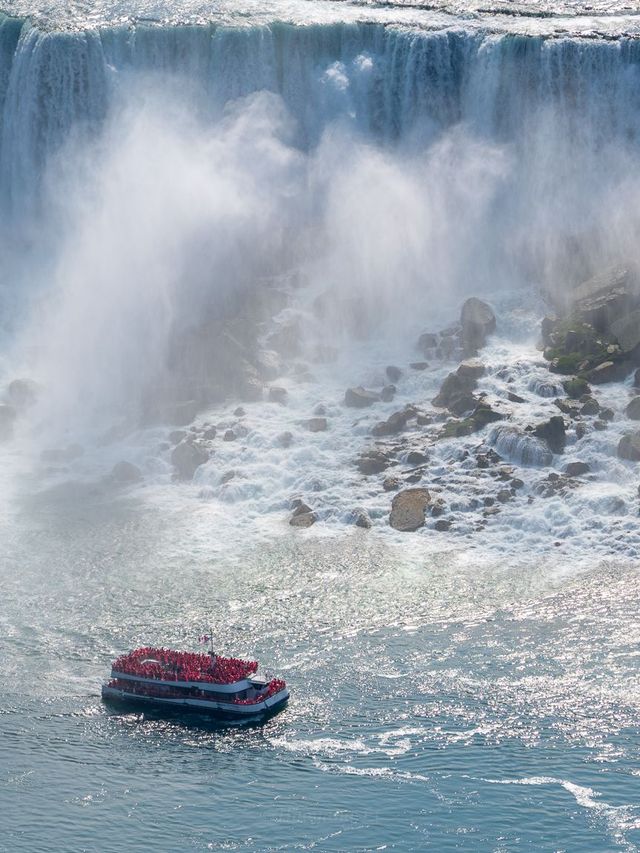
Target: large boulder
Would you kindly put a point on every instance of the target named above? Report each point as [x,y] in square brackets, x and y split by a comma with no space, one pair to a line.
[633,409]
[126,472]
[372,462]
[360,398]
[187,457]
[553,432]
[455,391]
[629,446]
[626,330]
[608,371]
[408,509]
[478,321]
[606,298]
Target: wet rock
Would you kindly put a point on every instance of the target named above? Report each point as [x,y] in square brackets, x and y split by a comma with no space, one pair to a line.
[636,378]
[544,388]
[393,373]
[388,393]
[629,446]
[590,407]
[227,477]
[607,414]
[607,371]
[302,519]
[126,472]
[22,393]
[427,341]
[503,496]
[395,423]
[186,457]
[484,415]
[438,508]
[443,524]
[229,435]
[576,387]
[320,410]
[180,414]
[513,443]
[606,298]
[372,462]
[417,457]
[600,425]
[285,439]
[316,424]
[7,418]
[391,484]
[360,398]
[209,433]
[455,390]
[516,483]
[408,509]
[472,368]
[581,431]
[515,398]
[278,395]
[463,404]
[239,412]
[626,330]
[360,517]
[177,435]
[633,409]
[568,407]
[576,469]
[423,420]
[478,321]
[553,432]
[419,365]
[300,507]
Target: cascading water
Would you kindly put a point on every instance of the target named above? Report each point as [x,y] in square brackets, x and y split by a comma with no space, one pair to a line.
[213,222]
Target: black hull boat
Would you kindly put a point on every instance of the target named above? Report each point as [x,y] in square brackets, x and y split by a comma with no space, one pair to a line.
[185,682]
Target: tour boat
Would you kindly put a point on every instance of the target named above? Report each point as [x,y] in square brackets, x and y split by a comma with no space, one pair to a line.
[189,681]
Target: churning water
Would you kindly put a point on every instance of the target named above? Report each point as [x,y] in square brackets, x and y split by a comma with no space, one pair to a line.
[362,168]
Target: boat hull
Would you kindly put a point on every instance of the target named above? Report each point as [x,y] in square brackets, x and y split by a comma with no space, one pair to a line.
[218,710]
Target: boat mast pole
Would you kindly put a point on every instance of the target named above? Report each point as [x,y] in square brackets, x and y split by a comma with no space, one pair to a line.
[211,640]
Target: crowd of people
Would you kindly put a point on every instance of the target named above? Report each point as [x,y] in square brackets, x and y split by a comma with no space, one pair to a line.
[168,665]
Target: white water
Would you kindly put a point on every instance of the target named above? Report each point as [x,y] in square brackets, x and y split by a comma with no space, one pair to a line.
[150,175]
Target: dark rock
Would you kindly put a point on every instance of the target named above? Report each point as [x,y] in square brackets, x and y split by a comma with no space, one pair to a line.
[629,446]
[278,395]
[176,436]
[417,457]
[576,469]
[576,387]
[636,378]
[608,371]
[626,330]
[455,390]
[443,524]
[607,414]
[581,431]
[553,432]
[229,435]
[126,472]
[463,404]
[426,341]
[393,373]
[503,496]
[187,456]
[424,420]
[484,415]
[633,409]
[388,393]
[285,439]
[514,398]
[391,484]
[209,433]
[303,519]
[316,424]
[239,412]
[408,509]
[395,423]
[227,477]
[300,507]
[359,397]
[419,365]
[438,508]
[600,425]
[517,483]
[372,462]
[471,369]
[477,321]
[360,517]
[590,407]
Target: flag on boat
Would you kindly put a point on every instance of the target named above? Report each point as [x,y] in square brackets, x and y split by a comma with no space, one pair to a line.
[204,638]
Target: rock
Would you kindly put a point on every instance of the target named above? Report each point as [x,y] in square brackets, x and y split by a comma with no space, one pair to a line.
[576,387]
[303,519]
[320,410]
[581,431]
[393,373]
[553,432]
[472,368]
[229,435]
[629,446]
[316,424]
[395,423]
[514,398]
[576,469]
[590,407]
[408,509]
[126,472]
[285,439]
[7,417]
[484,415]
[360,517]
[22,393]
[360,398]
[388,393]
[227,477]
[546,330]
[300,507]
[180,414]
[417,457]
[636,378]
[455,390]
[606,298]
[542,388]
[419,365]
[278,395]
[176,436]
[249,386]
[187,457]
[443,524]
[600,425]
[516,483]
[372,462]
[391,484]
[607,371]
[464,403]
[518,446]
[427,341]
[607,414]
[626,330]
[633,409]
[477,321]
[209,433]
[503,496]
[239,412]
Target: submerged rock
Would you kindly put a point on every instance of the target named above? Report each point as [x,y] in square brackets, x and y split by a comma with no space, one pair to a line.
[553,432]
[278,395]
[187,457]
[316,424]
[513,443]
[478,322]
[576,469]
[360,517]
[126,472]
[576,387]
[393,373]
[408,509]
[360,398]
